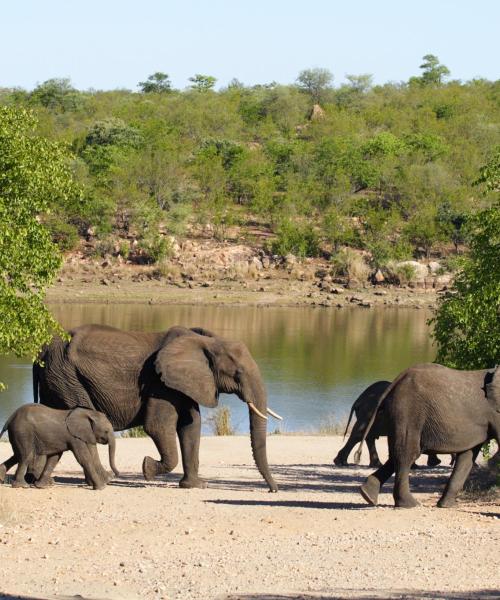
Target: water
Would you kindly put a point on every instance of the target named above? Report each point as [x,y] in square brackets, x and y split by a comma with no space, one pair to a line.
[314,361]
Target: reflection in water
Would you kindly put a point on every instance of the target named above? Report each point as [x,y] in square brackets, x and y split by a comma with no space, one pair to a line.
[314,361]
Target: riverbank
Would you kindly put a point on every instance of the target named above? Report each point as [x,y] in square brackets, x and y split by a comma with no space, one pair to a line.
[307,284]
[316,538]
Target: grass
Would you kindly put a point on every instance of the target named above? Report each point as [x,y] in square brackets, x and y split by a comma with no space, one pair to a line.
[331,426]
[135,432]
[220,421]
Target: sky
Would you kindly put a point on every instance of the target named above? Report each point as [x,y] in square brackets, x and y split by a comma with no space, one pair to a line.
[109,44]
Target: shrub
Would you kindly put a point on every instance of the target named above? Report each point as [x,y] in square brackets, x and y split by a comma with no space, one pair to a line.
[295,238]
[220,421]
[399,273]
[135,432]
[63,234]
[155,248]
[351,264]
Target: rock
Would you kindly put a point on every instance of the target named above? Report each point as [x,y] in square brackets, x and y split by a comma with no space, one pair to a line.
[353,284]
[290,260]
[256,262]
[380,293]
[434,266]
[421,271]
[443,280]
[378,277]
[321,273]
[266,263]
[336,290]
[356,299]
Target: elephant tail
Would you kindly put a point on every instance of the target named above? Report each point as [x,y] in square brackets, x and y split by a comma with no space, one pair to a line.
[349,419]
[357,454]
[36,380]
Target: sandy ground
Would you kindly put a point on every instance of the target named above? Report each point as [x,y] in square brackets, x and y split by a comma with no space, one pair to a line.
[316,538]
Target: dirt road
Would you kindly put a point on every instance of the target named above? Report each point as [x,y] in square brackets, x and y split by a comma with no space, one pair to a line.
[316,538]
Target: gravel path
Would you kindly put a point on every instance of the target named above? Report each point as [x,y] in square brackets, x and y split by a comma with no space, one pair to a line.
[316,538]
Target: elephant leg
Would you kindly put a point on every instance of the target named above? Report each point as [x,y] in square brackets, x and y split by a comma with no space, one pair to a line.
[403,461]
[371,487]
[103,474]
[45,479]
[35,468]
[160,423]
[461,470]
[374,459]
[85,459]
[22,468]
[189,432]
[6,466]
[343,453]
[433,460]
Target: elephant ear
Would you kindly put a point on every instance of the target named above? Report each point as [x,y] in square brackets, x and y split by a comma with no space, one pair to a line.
[493,389]
[79,423]
[184,365]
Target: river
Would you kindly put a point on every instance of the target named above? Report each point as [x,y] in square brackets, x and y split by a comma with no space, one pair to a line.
[314,361]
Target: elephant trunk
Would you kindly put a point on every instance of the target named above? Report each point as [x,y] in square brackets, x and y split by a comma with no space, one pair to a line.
[112,449]
[258,433]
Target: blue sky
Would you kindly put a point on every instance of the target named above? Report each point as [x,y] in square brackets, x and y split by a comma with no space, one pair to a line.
[110,44]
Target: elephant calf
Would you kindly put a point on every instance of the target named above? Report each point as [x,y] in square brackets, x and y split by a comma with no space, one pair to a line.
[365,405]
[36,430]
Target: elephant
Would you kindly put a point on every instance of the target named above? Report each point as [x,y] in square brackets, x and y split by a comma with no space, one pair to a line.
[433,408]
[364,406]
[37,430]
[157,380]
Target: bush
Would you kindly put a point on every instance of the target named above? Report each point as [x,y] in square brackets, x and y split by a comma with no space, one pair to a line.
[154,248]
[351,264]
[220,421]
[400,273]
[135,432]
[295,238]
[63,234]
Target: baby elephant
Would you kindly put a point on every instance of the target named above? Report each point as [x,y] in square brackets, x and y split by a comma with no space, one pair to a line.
[37,430]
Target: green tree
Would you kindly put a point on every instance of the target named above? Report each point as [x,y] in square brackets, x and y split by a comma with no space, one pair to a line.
[433,72]
[157,83]
[202,83]
[34,172]
[315,83]
[467,321]
[57,94]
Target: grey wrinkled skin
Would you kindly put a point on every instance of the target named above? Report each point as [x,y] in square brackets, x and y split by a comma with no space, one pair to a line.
[157,380]
[431,408]
[39,431]
[364,407]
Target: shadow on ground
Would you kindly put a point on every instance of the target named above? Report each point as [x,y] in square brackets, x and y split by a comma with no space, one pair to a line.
[344,594]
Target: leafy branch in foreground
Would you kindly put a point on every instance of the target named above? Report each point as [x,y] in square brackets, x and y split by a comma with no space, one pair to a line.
[467,321]
[34,173]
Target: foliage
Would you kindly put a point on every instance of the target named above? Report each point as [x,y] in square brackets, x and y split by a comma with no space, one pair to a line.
[295,238]
[202,83]
[220,421]
[315,82]
[467,321]
[157,83]
[387,168]
[34,174]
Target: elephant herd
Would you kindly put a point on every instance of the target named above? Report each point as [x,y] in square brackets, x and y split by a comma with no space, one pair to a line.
[104,380]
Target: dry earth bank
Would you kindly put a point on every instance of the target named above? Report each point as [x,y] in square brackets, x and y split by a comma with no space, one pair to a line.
[316,538]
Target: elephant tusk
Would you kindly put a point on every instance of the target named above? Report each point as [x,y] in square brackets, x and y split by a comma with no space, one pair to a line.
[252,406]
[275,415]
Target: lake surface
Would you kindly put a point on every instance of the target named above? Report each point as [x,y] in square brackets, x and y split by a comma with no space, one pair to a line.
[314,361]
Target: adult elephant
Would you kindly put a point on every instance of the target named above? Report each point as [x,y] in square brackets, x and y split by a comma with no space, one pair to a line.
[157,380]
[365,406]
[431,408]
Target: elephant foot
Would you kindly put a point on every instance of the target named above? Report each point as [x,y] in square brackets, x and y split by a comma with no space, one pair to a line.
[340,461]
[446,502]
[416,467]
[30,478]
[370,490]
[41,484]
[99,486]
[192,482]
[375,464]
[20,484]
[406,502]
[149,468]
[3,473]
